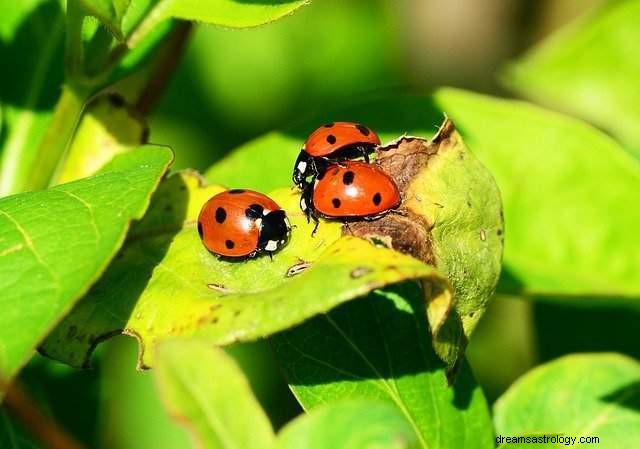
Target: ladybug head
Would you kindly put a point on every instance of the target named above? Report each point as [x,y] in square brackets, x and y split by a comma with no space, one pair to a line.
[274,231]
[302,169]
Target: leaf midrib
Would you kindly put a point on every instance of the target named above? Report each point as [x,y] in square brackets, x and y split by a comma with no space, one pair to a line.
[390,388]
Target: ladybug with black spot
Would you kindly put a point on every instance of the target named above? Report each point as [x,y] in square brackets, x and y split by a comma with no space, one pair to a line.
[332,143]
[350,190]
[242,223]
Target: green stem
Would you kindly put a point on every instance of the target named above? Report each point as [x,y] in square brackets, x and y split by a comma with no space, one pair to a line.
[55,142]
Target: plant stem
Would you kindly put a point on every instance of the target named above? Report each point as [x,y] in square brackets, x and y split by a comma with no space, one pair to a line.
[57,137]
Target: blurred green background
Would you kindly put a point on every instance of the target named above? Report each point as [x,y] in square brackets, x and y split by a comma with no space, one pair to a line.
[233,85]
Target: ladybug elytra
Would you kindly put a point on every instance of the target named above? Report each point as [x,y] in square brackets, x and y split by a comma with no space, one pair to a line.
[242,223]
[351,189]
[331,143]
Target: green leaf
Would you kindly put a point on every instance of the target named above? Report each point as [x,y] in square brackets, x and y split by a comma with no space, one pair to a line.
[131,405]
[165,283]
[590,69]
[358,424]
[32,38]
[108,127]
[378,348]
[582,395]
[556,174]
[55,243]
[109,12]
[228,13]
[455,222]
[206,391]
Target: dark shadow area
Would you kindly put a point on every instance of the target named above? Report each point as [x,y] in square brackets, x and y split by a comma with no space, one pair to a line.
[627,396]
[69,395]
[509,283]
[381,336]
[586,325]
[35,54]
[126,277]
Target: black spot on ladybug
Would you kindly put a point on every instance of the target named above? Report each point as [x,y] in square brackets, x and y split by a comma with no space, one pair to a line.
[347,178]
[329,125]
[229,244]
[221,215]
[236,191]
[254,211]
[331,139]
[336,203]
[363,130]
[377,198]
[200,232]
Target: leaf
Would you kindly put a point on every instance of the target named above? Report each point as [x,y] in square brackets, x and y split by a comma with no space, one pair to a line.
[451,216]
[355,424]
[55,243]
[206,392]
[164,283]
[131,404]
[556,175]
[108,127]
[109,12]
[378,348]
[228,13]
[32,38]
[590,69]
[581,395]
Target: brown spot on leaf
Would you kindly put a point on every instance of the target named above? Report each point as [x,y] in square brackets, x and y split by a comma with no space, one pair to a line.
[219,288]
[298,268]
[358,272]
[404,159]
[408,234]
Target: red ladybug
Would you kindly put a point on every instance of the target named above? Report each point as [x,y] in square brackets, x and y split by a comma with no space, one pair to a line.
[331,143]
[242,223]
[351,189]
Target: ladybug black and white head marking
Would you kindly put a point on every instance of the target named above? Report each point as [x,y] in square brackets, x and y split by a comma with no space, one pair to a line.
[274,231]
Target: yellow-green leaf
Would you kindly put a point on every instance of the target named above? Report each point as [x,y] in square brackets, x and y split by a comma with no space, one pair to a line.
[164,283]
[108,127]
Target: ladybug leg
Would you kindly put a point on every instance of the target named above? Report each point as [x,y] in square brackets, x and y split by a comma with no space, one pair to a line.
[365,153]
[306,204]
[316,223]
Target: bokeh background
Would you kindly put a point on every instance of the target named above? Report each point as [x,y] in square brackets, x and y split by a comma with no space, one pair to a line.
[233,85]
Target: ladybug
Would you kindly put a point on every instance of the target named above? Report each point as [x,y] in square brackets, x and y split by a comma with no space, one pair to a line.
[351,189]
[242,223]
[332,142]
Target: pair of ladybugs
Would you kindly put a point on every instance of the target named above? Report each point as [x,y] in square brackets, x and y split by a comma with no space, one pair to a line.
[243,223]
